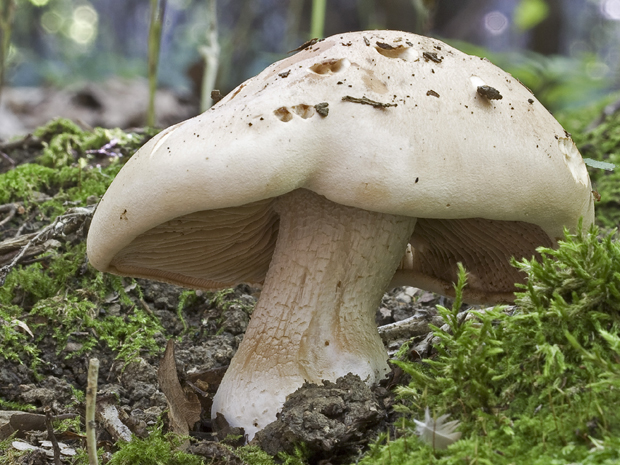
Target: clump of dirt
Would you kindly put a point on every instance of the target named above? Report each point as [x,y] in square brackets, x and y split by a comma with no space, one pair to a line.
[330,419]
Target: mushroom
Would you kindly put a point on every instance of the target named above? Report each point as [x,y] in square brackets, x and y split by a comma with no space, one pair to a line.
[357,164]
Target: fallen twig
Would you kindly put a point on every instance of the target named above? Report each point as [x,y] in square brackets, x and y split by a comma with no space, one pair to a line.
[11,209]
[28,141]
[73,220]
[20,422]
[407,328]
[51,436]
[9,159]
[107,149]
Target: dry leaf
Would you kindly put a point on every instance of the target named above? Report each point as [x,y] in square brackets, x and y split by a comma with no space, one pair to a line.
[23,326]
[183,408]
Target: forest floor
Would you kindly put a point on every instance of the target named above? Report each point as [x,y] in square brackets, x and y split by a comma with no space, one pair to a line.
[530,389]
[47,380]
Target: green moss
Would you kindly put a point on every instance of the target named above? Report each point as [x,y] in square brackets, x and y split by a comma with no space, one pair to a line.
[66,297]
[186,299]
[70,424]
[64,170]
[254,455]
[8,454]
[8,405]
[532,387]
[156,449]
[577,120]
[64,143]
[61,292]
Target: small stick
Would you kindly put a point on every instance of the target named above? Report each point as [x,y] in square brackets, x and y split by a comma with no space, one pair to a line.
[10,209]
[27,141]
[91,403]
[367,101]
[7,158]
[51,436]
[56,228]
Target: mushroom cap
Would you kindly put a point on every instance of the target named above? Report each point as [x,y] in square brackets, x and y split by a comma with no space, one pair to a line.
[385,121]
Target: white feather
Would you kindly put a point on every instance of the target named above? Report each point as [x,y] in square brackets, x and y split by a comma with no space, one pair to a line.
[437,433]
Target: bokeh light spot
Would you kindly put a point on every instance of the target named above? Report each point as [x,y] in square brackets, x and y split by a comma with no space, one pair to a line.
[610,9]
[52,22]
[496,22]
[597,70]
[83,28]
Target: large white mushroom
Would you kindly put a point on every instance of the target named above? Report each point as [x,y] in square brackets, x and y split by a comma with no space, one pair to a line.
[366,160]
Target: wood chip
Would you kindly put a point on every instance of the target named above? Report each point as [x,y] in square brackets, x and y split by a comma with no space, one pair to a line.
[367,101]
[216,96]
[307,44]
[432,56]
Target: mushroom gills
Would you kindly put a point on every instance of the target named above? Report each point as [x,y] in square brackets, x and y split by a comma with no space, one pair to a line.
[484,247]
[208,249]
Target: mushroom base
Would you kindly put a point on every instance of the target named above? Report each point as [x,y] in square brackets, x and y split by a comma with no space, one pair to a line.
[315,319]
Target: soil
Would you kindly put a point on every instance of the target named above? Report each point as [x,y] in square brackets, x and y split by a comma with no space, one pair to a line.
[336,421]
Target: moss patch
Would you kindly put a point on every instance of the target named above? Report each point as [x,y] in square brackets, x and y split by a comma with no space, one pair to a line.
[59,290]
[156,449]
[535,386]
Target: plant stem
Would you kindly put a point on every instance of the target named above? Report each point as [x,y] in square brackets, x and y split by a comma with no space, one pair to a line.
[318,19]
[423,13]
[7,9]
[293,18]
[158,10]
[91,403]
[555,420]
[211,54]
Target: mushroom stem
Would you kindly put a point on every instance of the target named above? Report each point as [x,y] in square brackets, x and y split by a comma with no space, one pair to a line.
[314,320]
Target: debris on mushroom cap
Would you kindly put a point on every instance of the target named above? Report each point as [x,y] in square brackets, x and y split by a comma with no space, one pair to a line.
[432,56]
[486,179]
[367,101]
[322,108]
[216,96]
[489,92]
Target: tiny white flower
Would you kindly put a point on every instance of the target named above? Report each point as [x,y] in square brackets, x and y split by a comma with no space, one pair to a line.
[437,433]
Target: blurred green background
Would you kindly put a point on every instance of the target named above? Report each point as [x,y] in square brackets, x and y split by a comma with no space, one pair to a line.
[566,51]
